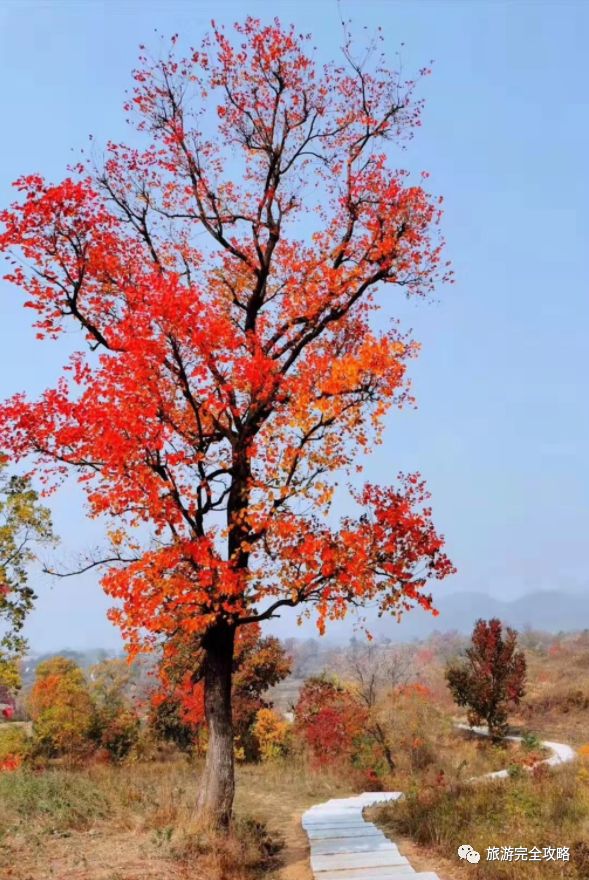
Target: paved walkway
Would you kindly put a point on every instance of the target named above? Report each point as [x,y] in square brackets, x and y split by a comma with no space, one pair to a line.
[560,753]
[344,846]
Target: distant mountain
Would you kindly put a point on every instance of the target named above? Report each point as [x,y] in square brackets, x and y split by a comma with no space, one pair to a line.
[551,611]
[82,658]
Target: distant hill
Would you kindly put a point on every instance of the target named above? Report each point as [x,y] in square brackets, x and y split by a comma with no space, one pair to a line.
[82,658]
[550,611]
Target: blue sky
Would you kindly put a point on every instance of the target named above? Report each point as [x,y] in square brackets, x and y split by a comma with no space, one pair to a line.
[502,429]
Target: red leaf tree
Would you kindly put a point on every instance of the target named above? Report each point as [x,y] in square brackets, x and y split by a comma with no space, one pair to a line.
[492,677]
[329,719]
[225,275]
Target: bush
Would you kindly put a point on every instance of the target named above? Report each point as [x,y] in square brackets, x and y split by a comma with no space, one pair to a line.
[416,729]
[329,720]
[271,732]
[13,742]
[530,741]
[118,733]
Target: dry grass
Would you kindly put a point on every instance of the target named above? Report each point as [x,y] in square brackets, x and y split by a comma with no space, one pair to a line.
[135,822]
[120,823]
[277,794]
[541,809]
[557,701]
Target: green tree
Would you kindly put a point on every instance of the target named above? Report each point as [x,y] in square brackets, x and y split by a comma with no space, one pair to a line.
[24,524]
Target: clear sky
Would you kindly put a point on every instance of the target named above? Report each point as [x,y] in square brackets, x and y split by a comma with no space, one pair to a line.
[502,429]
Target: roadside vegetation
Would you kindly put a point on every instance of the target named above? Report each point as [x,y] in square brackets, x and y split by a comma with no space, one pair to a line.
[542,809]
[98,776]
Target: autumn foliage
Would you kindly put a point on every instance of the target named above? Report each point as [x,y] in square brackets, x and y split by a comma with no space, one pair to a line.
[178,713]
[330,719]
[225,271]
[271,733]
[491,679]
[61,708]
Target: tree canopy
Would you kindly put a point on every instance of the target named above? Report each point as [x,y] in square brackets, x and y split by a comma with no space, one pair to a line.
[24,523]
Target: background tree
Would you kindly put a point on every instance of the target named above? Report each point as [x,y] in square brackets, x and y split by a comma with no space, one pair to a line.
[61,709]
[271,732]
[330,719]
[226,275]
[492,677]
[24,523]
[376,672]
[259,663]
[116,719]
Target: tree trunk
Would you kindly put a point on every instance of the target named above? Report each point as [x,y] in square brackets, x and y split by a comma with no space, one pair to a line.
[217,788]
[381,738]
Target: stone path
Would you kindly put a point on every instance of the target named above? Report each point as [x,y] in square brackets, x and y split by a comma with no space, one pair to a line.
[344,846]
[560,753]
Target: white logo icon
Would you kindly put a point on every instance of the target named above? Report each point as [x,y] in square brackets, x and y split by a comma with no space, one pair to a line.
[467,852]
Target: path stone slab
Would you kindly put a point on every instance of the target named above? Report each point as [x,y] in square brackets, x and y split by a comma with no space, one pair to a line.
[357,845]
[370,859]
[315,832]
[366,830]
[347,825]
[392,872]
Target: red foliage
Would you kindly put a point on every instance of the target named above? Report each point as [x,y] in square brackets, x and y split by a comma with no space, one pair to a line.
[329,719]
[10,763]
[415,689]
[236,378]
[492,678]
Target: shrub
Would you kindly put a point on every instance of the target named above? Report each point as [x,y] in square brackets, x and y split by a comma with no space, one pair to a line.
[330,720]
[530,741]
[271,732]
[118,733]
[13,742]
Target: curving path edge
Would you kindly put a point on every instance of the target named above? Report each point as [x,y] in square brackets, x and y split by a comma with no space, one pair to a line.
[344,846]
